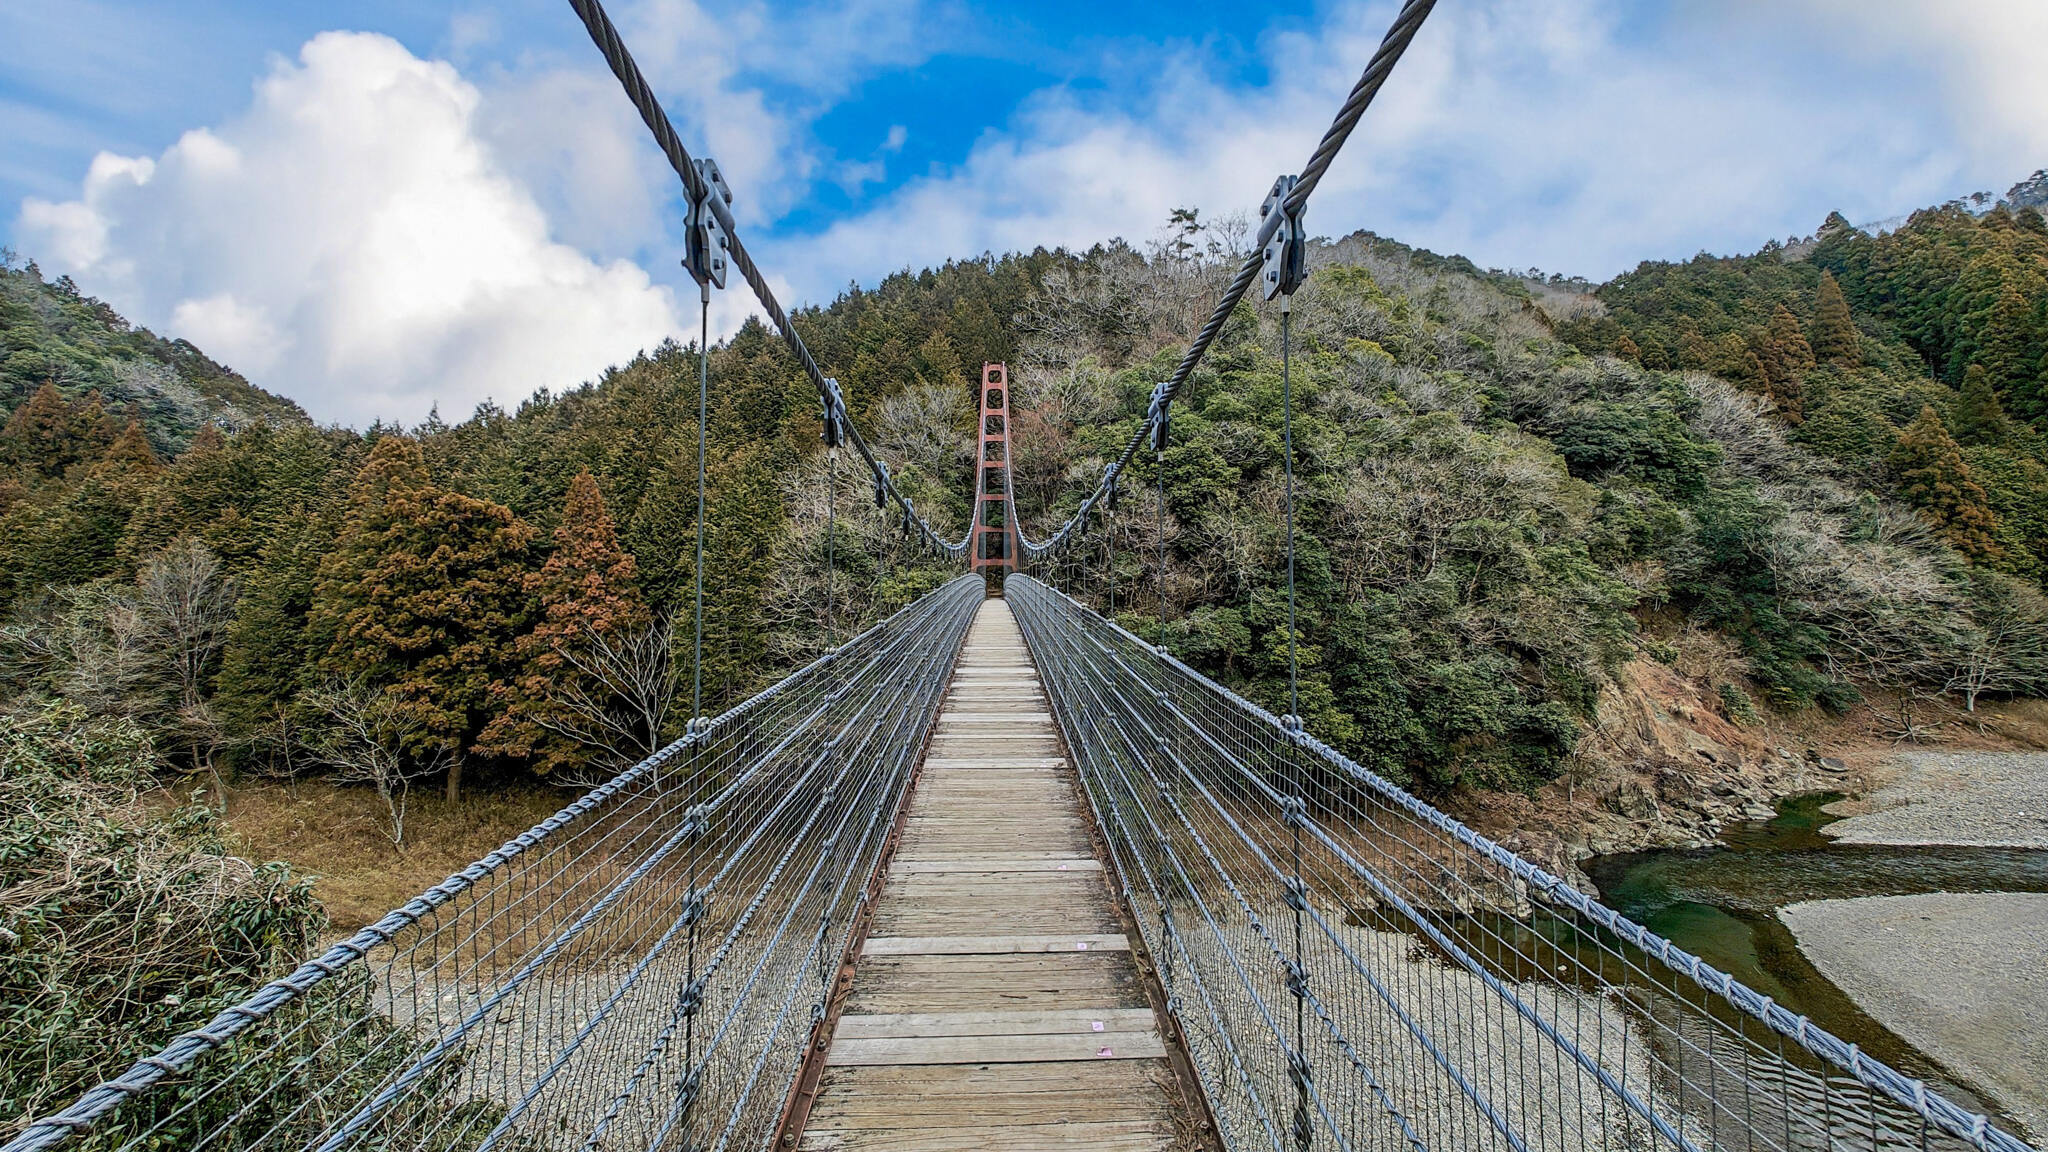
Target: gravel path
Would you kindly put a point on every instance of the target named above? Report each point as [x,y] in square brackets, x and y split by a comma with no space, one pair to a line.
[1961,976]
[1963,799]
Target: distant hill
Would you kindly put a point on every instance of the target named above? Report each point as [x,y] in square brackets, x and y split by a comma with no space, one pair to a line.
[2031,192]
[52,333]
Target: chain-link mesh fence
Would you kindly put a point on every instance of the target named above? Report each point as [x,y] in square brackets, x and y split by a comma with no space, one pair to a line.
[641,970]
[1352,969]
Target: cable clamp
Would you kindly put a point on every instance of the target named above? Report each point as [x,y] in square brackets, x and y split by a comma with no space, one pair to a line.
[1297,893]
[1159,414]
[692,998]
[693,908]
[708,242]
[1298,1071]
[1297,980]
[1286,254]
[695,821]
[881,484]
[834,433]
[1293,811]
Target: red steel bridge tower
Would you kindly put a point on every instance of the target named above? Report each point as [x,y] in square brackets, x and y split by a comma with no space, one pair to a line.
[993,551]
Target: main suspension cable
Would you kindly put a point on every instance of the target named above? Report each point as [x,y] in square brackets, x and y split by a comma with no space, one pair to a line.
[606,36]
[1399,35]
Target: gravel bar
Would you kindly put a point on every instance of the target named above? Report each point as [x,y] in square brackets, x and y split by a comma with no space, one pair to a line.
[1961,976]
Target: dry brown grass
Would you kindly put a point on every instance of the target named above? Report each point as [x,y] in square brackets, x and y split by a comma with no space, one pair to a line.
[336,835]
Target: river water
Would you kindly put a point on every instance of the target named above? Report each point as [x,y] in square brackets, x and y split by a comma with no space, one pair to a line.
[1721,903]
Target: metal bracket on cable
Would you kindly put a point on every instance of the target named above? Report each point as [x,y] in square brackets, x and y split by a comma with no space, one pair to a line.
[708,241]
[1159,413]
[1109,488]
[881,484]
[1286,255]
[834,432]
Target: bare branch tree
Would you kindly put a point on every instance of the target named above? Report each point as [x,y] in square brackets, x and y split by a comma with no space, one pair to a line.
[2006,650]
[183,606]
[363,742]
[619,702]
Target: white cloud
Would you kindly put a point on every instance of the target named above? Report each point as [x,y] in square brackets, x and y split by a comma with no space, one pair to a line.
[355,241]
[1576,135]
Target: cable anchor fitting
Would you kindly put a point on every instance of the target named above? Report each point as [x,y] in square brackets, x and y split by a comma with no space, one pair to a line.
[881,485]
[1160,414]
[834,433]
[1286,254]
[708,242]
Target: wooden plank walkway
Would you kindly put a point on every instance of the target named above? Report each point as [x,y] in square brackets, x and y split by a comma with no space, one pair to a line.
[995,1006]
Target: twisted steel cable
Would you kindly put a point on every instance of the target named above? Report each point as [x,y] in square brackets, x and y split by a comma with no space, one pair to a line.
[1399,35]
[606,36]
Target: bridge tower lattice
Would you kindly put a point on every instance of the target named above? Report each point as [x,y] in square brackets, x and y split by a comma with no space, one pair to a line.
[994,547]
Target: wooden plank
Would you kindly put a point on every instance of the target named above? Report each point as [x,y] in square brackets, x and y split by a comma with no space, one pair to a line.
[988,945]
[1101,1136]
[1011,1049]
[1022,1023]
[995,1004]
[998,864]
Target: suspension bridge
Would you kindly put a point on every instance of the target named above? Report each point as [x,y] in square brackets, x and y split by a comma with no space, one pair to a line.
[998,874]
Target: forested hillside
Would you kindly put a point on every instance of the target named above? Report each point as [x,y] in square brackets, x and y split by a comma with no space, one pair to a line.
[52,335]
[1826,458]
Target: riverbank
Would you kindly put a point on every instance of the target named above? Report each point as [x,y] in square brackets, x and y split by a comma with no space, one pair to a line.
[1961,976]
[1959,799]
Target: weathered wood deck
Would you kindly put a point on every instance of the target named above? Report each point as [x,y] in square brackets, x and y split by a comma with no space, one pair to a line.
[995,1004]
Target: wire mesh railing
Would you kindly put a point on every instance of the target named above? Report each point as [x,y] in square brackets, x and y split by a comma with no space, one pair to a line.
[641,970]
[1352,969]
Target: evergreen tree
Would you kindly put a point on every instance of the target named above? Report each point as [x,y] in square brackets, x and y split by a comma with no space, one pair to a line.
[48,435]
[1693,350]
[1626,349]
[424,594]
[1933,478]
[1834,329]
[131,452]
[560,709]
[1786,358]
[1978,418]
[2009,349]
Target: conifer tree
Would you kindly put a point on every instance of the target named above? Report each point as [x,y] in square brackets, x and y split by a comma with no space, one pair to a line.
[1626,349]
[1834,329]
[130,452]
[1693,349]
[424,594]
[560,709]
[2009,349]
[48,434]
[1786,357]
[1978,417]
[1933,478]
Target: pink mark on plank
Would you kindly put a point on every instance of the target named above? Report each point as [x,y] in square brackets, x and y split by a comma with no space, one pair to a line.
[1095,1024]
[1063,867]
[1104,1052]
[1081,946]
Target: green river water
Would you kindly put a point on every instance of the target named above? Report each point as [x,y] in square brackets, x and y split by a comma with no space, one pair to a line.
[1720,902]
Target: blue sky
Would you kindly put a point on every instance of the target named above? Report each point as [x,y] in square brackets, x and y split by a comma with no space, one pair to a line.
[378,206]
